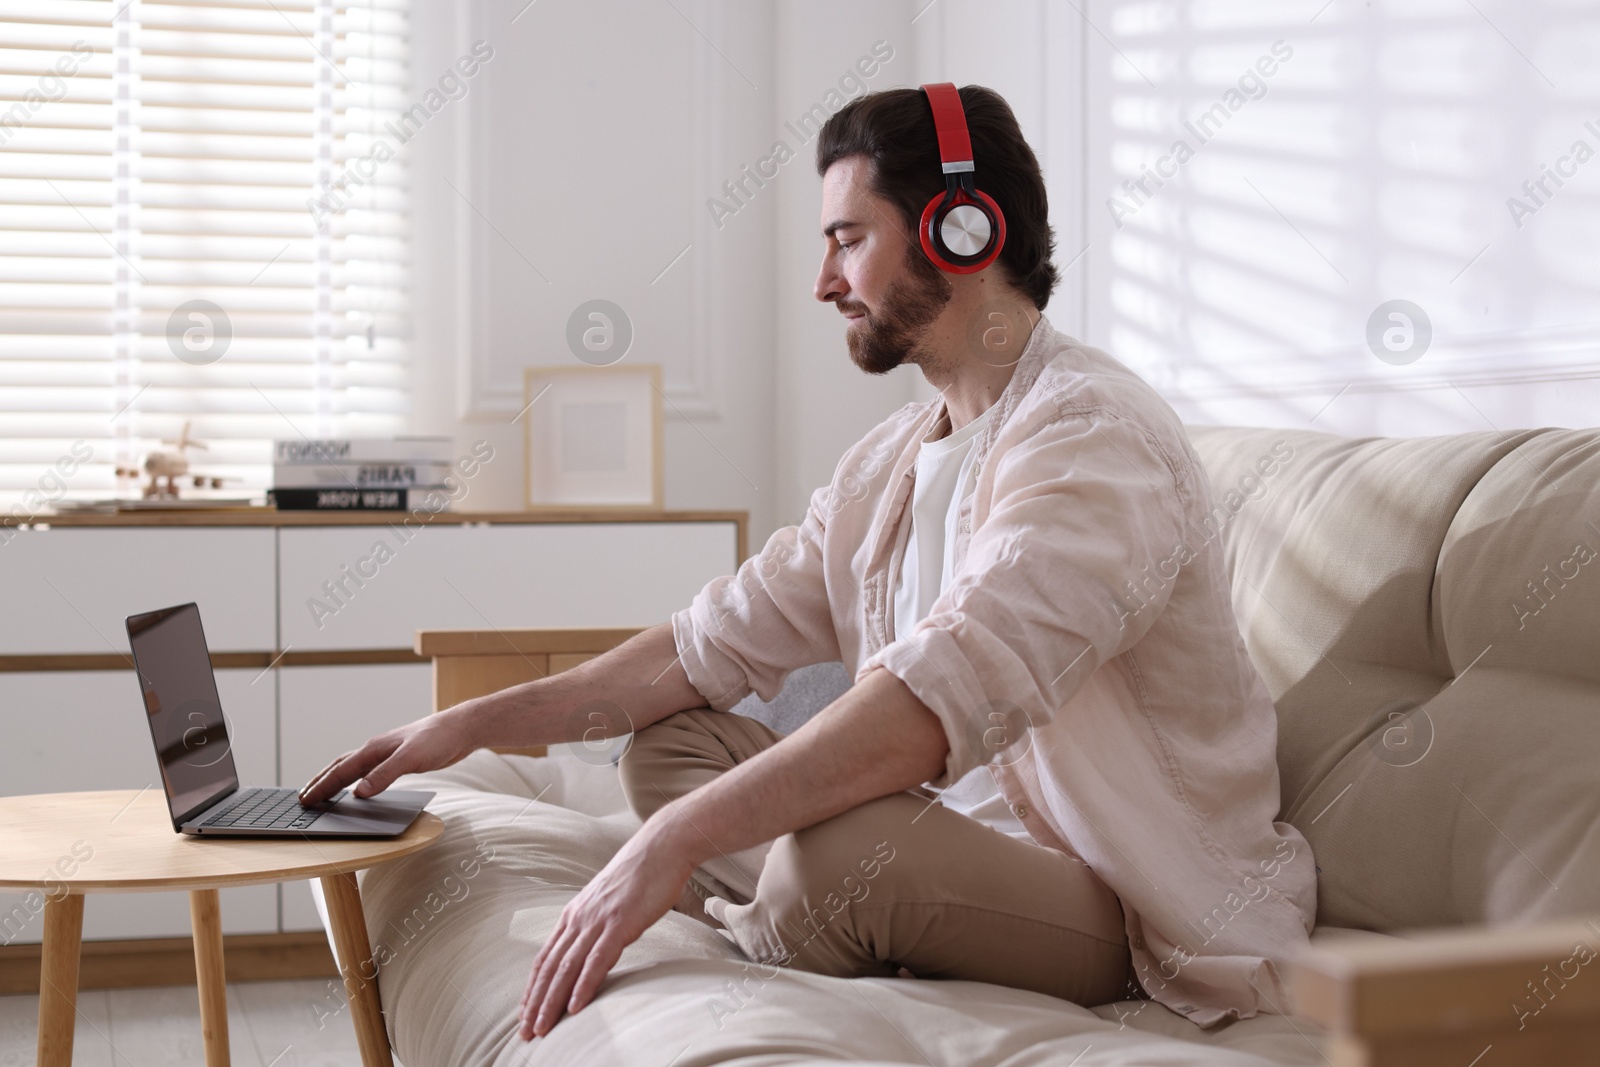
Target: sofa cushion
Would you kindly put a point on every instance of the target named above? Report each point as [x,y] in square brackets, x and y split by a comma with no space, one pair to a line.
[1437,742]
[454,968]
[454,928]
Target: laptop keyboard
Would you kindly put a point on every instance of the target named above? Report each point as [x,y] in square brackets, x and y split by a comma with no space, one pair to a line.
[266,808]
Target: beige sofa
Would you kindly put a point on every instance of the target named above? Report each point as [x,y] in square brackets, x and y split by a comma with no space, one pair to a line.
[1426,613]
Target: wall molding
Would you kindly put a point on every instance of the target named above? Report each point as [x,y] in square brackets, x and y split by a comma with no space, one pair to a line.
[695,394]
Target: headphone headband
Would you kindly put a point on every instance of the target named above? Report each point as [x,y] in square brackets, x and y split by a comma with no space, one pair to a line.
[950,124]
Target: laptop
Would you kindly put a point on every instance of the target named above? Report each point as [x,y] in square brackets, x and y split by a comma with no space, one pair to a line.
[195,754]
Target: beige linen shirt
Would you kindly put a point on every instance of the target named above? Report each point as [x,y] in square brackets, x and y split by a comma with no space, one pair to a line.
[1086,648]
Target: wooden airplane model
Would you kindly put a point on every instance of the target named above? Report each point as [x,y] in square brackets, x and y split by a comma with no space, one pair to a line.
[166,466]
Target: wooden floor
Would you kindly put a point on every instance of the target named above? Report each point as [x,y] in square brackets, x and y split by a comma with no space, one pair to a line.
[302,1023]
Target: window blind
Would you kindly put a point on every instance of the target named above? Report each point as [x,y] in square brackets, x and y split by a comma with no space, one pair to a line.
[194,227]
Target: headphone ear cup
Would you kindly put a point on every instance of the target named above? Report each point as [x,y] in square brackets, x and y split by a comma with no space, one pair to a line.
[965,229]
[925,231]
[971,223]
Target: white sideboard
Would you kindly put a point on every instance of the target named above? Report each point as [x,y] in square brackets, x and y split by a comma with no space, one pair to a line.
[311,627]
[71,587]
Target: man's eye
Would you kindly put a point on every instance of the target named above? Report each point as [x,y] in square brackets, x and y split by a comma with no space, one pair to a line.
[845,244]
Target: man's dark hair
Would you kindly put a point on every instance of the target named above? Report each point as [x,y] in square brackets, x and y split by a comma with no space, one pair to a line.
[894,130]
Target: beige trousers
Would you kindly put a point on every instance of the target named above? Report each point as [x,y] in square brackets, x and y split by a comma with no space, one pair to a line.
[898,882]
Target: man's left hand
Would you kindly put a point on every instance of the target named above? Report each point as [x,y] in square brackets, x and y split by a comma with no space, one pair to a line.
[641,883]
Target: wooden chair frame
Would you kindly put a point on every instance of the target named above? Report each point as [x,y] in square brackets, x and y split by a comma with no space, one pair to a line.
[1475,996]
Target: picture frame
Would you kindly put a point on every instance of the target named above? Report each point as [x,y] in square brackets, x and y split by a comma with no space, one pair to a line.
[592,437]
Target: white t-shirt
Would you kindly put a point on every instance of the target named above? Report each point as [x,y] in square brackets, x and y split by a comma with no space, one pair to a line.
[944,479]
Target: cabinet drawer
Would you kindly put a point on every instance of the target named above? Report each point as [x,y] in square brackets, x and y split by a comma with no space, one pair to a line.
[375,586]
[326,711]
[67,731]
[71,589]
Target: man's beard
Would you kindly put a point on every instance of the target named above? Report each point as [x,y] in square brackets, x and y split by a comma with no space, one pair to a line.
[881,342]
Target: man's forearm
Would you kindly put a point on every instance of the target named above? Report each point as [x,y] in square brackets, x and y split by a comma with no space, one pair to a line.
[876,739]
[639,682]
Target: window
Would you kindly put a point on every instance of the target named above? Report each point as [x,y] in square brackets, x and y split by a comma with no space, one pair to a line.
[195,228]
[1287,207]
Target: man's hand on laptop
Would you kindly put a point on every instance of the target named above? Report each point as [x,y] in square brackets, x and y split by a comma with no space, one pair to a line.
[427,744]
[635,684]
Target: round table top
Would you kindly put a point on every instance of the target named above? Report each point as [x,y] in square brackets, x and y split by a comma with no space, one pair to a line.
[122,841]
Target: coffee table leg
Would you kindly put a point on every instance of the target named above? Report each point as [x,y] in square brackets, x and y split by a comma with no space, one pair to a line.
[343,899]
[58,978]
[205,920]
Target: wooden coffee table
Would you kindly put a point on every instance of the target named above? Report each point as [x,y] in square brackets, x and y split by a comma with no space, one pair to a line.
[66,845]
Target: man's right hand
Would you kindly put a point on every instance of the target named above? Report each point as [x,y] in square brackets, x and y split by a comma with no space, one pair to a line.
[427,744]
[639,682]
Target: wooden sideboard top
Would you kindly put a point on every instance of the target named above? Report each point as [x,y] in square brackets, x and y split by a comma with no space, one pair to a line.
[272,517]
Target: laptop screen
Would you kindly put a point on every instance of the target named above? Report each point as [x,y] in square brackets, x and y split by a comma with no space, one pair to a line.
[181,704]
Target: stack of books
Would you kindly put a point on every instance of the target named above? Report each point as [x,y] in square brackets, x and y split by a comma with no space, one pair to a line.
[358,474]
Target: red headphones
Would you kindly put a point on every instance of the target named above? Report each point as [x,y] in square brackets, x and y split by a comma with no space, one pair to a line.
[962,230]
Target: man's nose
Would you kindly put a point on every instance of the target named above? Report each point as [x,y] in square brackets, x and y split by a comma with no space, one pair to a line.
[830,284]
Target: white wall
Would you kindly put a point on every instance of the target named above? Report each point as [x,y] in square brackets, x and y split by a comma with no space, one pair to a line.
[825,403]
[1376,166]
[576,168]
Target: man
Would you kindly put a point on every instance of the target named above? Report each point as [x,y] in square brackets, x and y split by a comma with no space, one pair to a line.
[1056,767]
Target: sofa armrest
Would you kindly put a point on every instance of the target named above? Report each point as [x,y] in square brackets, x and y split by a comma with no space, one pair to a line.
[1477,996]
[471,663]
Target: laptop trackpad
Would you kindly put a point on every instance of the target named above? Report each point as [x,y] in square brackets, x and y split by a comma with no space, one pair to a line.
[387,813]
